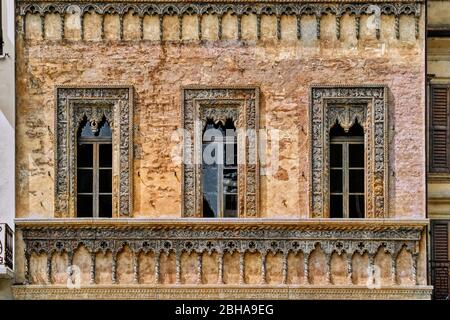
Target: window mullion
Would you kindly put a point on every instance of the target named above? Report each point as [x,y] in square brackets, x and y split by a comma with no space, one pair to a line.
[345,191]
[95,187]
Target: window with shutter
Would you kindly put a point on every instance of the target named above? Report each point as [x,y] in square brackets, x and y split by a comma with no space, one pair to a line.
[439,135]
[439,262]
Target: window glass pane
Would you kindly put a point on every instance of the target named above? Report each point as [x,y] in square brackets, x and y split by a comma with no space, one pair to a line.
[105,180]
[356,155]
[356,206]
[84,180]
[210,183]
[230,154]
[105,206]
[356,180]
[230,206]
[105,155]
[335,180]
[335,155]
[84,155]
[105,130]
[230,180]
[84,206]
[336,206]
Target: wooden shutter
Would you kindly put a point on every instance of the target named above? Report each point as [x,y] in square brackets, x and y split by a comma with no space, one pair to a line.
[439,135]
[439,263]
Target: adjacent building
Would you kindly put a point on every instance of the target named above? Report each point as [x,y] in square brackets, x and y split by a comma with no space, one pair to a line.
[228,149]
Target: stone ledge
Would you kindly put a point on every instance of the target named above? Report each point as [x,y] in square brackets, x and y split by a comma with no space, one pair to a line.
[203,292]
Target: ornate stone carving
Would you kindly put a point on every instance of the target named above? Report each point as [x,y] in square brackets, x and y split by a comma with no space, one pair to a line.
[259,8]
[345,104]
[220,237]
[74,103]
[218,104]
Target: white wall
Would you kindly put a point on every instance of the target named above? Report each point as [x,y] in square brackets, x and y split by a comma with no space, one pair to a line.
[7,117]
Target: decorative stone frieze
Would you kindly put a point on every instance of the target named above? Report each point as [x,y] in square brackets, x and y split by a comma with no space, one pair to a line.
[221,237]
[278,9]
[72,105]
[346,104]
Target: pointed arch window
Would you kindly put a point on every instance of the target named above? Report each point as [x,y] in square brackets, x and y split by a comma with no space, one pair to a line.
[219,169]
[347,172]
[94,169]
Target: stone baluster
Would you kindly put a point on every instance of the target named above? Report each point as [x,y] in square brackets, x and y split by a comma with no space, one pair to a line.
[328,270]
[120,26]
[263,267]
[102,27]
[241,268]
[42,16]
[49,268]
[349,268]
[141,27]
[258,27]
[199,27]
[299,27]
[161,27]
[371,268]
[219,26]
[278,27]
[27,267]
[62,18]
[136,267]
[93,260]
[114,268]
[414,275]
[285,268]
[239,27]
[180,27]
[82,26]
[199,268]
[306,267]
[220,267]
[157,267]
[70,265]
[178,268]
[394,269]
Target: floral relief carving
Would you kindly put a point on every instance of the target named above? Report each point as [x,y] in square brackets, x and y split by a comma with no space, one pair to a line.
[345,105]
[218,105]
[94,103]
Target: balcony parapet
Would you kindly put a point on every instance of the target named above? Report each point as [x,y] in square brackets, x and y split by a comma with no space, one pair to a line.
[265,253]
[6,251]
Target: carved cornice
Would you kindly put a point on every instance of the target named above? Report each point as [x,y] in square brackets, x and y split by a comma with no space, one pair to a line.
[228,223]
[224,1]
[220,8]
[219,292]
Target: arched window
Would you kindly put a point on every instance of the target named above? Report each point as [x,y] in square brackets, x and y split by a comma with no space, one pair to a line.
[219,169]
[347,172]
[94,169]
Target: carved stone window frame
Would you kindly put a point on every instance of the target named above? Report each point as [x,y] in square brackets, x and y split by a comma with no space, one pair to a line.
[345,103]
[240,103]
[72,103]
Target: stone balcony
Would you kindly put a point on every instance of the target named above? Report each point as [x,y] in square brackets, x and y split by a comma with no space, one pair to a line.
[223,259]
[6,251]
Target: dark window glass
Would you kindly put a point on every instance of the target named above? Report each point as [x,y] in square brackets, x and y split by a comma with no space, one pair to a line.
[84,181]
[230,206]
[84,155]
[84,206]
[336,209]
[356,155]
[105,206]
[230,180]
[356,180]
[105,180]
[356,206]
[336,181]
[105,155]
[336,155]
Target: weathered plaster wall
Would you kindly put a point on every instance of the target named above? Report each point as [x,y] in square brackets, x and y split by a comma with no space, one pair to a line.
[283,69]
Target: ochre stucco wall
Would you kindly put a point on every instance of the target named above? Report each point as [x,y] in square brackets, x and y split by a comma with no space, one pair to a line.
[283,69]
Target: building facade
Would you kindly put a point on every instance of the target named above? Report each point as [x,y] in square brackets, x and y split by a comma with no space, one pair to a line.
[220,150]
[438,167]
